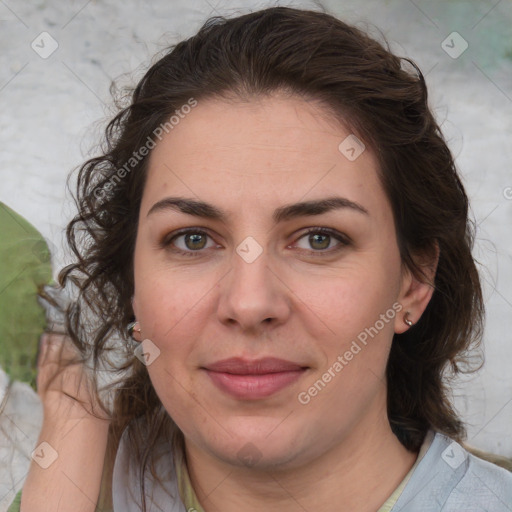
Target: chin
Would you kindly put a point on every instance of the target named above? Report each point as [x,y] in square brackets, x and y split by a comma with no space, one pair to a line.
[252,456]
[257,447]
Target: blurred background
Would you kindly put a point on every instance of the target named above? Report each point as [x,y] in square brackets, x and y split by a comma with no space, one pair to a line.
[58,60]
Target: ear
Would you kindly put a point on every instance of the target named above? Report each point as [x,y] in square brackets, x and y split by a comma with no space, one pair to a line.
[416,292]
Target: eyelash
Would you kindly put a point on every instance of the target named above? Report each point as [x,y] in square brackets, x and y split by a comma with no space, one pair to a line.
[343,239]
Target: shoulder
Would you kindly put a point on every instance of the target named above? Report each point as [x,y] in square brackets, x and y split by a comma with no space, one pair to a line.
[451,479]
[483,486]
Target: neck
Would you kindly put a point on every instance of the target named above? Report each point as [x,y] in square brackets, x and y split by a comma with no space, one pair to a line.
[361,472]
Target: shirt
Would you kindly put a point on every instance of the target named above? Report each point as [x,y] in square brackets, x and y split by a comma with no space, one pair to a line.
[445,477]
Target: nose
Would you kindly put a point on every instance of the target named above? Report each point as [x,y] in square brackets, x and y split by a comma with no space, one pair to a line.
[252,295]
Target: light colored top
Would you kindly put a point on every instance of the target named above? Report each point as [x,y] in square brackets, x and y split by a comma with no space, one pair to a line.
[444,477]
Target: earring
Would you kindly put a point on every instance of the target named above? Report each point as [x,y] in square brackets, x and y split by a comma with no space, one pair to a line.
[133,329]
[406,319]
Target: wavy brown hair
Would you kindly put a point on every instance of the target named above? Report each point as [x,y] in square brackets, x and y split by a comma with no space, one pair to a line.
[380,97]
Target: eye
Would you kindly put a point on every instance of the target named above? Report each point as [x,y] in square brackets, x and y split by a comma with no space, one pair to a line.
[188,242]
[320,239]
[191,242]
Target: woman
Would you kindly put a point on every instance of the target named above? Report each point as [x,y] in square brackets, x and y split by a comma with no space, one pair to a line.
[279,221]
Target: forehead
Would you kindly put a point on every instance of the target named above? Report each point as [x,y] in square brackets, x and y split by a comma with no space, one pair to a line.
[277,149]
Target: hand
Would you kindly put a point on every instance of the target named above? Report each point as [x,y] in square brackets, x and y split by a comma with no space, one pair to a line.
[64,385]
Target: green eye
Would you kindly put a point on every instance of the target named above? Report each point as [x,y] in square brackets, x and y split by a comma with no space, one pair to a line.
[197,240]
[320,239]
[193,241]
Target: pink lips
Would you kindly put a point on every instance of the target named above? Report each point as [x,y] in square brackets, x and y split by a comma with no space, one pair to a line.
[252,380]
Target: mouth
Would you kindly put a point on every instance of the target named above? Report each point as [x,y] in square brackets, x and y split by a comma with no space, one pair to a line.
[252,380]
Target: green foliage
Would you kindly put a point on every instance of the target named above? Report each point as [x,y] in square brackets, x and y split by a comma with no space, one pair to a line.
[25,267]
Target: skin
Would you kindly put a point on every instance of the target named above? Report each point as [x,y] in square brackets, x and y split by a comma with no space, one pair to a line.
[56,479]
[250,158]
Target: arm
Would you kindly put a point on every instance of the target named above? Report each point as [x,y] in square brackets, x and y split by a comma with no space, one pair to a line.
[74,477]
[67,463]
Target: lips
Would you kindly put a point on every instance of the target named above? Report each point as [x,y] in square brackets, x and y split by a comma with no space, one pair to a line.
[252,380]
[239,366]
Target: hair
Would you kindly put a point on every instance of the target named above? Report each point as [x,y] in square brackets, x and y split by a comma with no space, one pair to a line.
[380,97]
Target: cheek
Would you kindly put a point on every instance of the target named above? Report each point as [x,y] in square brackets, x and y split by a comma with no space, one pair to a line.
[166,298]
[170,320]
[357,307]
[355,351]
[350,301]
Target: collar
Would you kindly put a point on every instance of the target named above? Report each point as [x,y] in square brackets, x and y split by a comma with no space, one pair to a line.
[189,498]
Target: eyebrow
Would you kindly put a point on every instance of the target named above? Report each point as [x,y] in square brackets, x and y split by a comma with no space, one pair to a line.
[284,213]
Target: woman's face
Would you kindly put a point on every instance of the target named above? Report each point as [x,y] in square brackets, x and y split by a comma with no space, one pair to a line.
[268,343]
